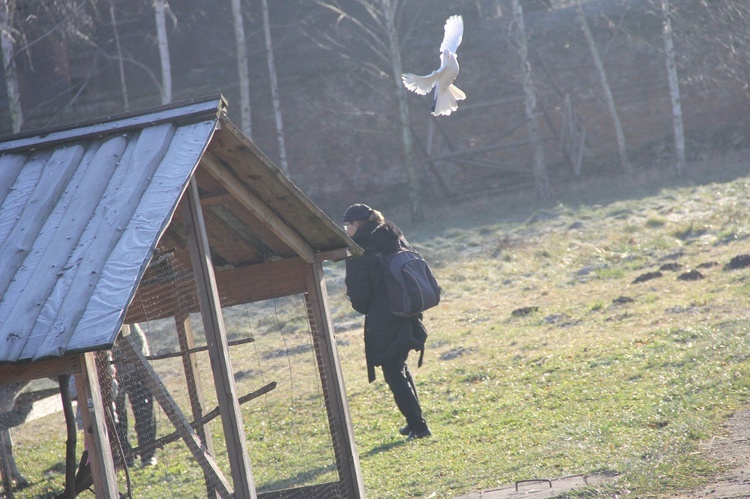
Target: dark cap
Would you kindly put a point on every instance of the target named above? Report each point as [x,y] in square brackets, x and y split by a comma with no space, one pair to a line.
[357,212]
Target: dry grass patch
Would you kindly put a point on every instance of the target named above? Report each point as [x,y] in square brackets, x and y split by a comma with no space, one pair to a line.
[603,370]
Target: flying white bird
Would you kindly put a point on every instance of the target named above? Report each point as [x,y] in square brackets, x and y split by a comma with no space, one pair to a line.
[446,93]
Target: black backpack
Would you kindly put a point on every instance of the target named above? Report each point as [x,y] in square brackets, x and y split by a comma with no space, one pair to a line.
[409,283]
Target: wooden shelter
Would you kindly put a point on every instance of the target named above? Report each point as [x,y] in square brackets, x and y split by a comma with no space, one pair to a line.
[84,212]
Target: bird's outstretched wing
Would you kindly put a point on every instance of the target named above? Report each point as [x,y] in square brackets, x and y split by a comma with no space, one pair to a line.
[420,84]
[454,32]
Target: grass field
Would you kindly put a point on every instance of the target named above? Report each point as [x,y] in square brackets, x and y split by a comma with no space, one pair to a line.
[553,353]
[603,373]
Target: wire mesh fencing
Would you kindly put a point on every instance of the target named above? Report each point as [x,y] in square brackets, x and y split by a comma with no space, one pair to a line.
[160,401]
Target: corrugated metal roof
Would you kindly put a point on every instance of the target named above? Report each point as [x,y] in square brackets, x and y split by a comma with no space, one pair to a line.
[82,210]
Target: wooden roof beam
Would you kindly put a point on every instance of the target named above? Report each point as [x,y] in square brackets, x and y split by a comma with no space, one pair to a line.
[334,255]
[25,371]
[258,208]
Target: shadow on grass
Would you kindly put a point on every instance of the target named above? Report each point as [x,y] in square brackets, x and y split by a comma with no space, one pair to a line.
[384,447]
[300,479]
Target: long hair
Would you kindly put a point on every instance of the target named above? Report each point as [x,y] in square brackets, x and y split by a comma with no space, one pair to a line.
[376,216]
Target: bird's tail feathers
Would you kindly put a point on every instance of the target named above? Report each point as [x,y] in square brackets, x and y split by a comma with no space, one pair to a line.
[444,103]
[418,84]
[457,92]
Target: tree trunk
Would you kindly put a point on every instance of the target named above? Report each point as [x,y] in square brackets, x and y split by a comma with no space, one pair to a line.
[541,179]
[160,8]
[415,194]
[489,9]
[242,68]
[274,90]
[7,8]
[621,145]
[674,89]
[120,63]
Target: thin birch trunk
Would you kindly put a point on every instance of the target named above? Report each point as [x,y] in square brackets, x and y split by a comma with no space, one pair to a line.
[415,195]
[620,135]
[7,8]
[243,69]
[160,8]
[541,179]
[120,63]
[489,9]
[674,89]
[274,90]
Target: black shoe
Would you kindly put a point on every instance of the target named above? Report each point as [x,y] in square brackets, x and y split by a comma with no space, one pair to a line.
[419,434]
[405,430]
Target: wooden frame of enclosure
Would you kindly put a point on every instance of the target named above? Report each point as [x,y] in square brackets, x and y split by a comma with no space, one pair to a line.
[232,173]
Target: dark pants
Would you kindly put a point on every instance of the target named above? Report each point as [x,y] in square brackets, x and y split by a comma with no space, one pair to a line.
[142,402]
[399,380]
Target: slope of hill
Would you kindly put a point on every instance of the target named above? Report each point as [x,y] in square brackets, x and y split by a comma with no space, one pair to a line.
[603,333]
[596,334]
[341,119]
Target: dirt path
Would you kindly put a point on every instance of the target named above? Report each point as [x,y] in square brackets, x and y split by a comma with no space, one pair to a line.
[734,451]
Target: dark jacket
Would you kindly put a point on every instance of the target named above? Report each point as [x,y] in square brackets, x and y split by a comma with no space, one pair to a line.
[387,336]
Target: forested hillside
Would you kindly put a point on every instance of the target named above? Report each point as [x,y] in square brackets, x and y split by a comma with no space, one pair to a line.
[76,61]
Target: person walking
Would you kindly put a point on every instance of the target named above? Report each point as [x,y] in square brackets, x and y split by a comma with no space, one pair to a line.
[388,337]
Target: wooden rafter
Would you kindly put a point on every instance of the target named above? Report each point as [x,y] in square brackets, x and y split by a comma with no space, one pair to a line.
[258,208]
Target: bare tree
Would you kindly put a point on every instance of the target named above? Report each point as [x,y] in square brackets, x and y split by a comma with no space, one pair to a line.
[541,179]
[274,89]
[489,9]
[7,9]
[243,69]
[160,9]
[714,54]
[120,58]
[664,12]
[376,24]
[610,101]
[46,31]
[415,194]
[721,26]
[674,88]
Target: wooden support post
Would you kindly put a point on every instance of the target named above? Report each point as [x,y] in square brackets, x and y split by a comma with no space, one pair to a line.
[332,380]
[5,461]
[72,433]
[95,429]
[218,350]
